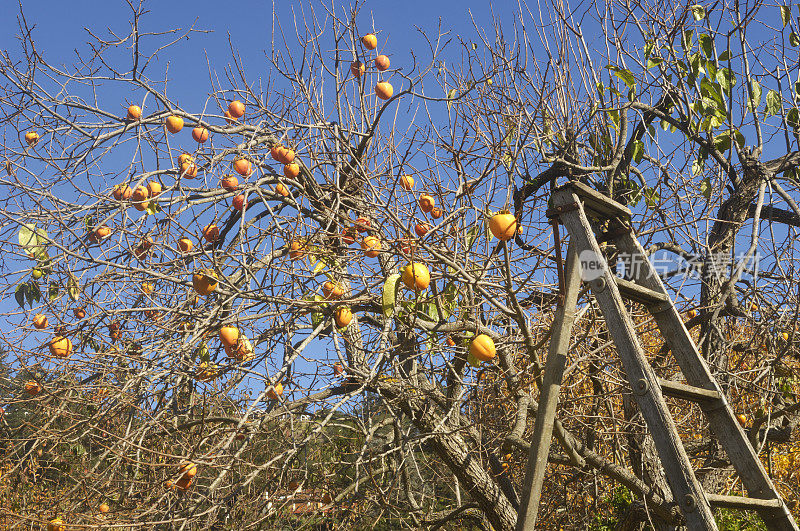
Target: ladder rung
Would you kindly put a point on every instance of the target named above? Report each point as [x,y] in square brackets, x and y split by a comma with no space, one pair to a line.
[597,202]
[633,291]
[740,502]
[687,392]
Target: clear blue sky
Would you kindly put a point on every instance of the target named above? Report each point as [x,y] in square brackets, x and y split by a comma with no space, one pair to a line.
[60,27]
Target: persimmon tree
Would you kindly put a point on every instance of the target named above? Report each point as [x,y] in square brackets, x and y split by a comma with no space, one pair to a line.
[329,288]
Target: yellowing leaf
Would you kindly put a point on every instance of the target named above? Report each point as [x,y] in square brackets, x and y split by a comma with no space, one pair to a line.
[624,75]
[705,188]
[786,14]
[27,235]
[450,95]
[698,12]
[319,266]
[72,288]
[202,353]
[773,103]
[390,287]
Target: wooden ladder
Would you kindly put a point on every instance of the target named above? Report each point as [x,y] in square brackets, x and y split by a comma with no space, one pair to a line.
[572,205]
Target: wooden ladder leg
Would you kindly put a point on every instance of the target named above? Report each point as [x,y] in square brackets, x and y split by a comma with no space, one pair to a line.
[685,488]
[721,417]
[548,400]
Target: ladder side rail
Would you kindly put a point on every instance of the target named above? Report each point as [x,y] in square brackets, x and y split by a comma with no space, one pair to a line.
[697,372]
[686,490]
[551,386]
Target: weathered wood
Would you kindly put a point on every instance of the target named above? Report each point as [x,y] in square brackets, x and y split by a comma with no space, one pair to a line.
[721,417]
[687,392]
[568,203]
[684,485]
[548,401]
[457,449]
[740,502]
[596,202]
[636,293]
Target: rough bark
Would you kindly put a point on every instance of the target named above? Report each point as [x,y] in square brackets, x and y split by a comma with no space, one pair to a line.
[646,465]
[458,453]
[733,213]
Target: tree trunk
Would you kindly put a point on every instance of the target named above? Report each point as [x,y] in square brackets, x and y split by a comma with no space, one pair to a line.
[714,292]
[647,466]
[459,455]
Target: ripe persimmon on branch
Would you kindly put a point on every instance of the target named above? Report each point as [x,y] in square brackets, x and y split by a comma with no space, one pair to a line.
[325,290]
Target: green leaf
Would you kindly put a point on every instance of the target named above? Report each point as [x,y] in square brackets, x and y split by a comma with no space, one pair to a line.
[738,137]
[614,115]
[794,40]
[713,91]
[705,188]
[33,293]
[793,117]
[20,294]
[431,311]
[390,287]
[654,61]
[706,44]
[638,151]
[696,64]
[786,14]
[33,240]
[636,191]
[53,291]
[698,12]
[726,80]
[472,235]
[624,75]
[725,55]
[450,95]
[686,40]
[319,266]
[711,68]
[697,167]
[316,314]
[756,89]
[723,141]
[72,287]
[651,197]
[773,103]
[648,49]
[153,207]
[27,236]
